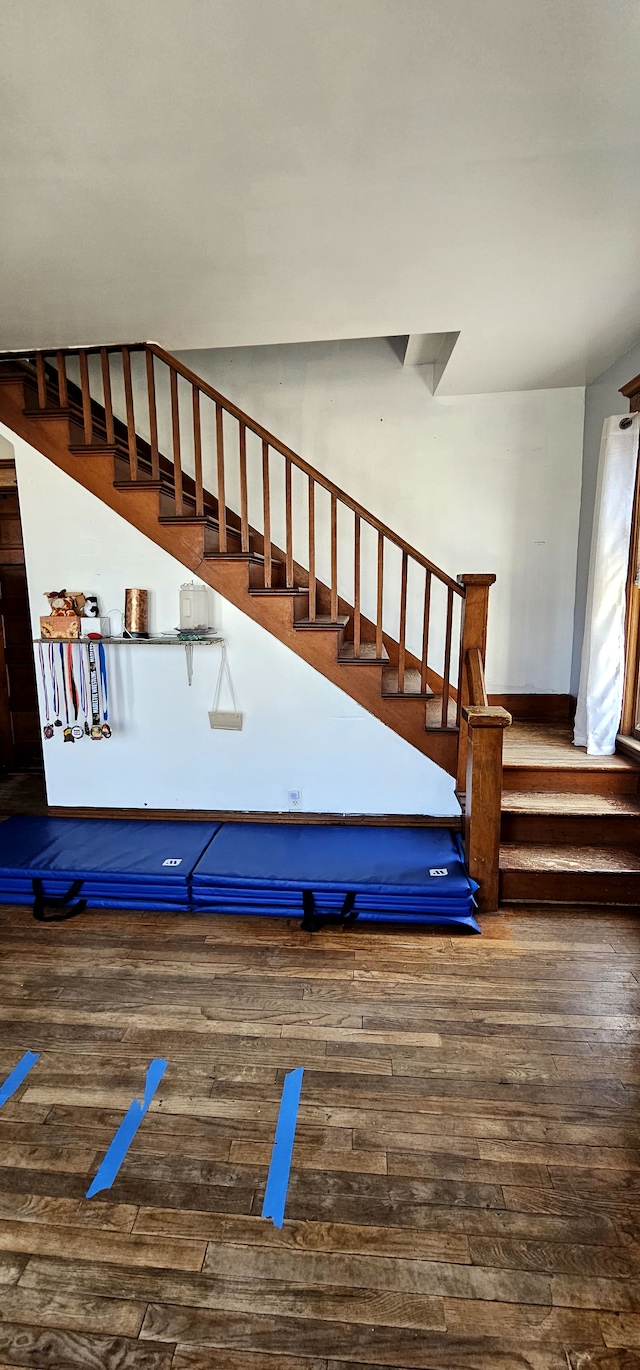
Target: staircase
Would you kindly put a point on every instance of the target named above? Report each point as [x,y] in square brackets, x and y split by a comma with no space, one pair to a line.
[187,467]
[326,577]
[570,823]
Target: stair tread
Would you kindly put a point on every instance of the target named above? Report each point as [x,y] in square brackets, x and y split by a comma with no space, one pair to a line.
[322,621]
[545,746]
[559,802]
[367,653]
[564,857]
[412,684]
[433,713]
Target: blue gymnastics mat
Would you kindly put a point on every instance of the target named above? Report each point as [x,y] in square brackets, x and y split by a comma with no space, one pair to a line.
[336,873]
[104,862]
[322,873]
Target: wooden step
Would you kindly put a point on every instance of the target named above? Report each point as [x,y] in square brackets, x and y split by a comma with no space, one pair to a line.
[322,621]
[541,756]
[433,715]
[412,685]
[568,874]
[566,816]
[144,483]
[51,412]
[367,655]
[189,516]
[280,591]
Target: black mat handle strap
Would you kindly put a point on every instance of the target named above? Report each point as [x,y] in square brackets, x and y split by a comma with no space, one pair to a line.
[65,903]
[313,921]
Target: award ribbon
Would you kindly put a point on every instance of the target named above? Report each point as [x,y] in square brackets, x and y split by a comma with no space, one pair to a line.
[67,734]
[76,732]
[104,684]
[83,691]
[55,689]
[96,730]
[48,728]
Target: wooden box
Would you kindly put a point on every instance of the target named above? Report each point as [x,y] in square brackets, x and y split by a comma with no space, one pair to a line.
[60,627]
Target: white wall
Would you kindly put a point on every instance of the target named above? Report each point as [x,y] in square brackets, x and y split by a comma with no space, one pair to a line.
[300,730]
[476,482]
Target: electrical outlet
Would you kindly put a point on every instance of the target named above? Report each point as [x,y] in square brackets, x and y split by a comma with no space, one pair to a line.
[295,799]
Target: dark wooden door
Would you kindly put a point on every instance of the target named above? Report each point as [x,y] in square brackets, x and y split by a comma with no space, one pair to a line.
[20,747]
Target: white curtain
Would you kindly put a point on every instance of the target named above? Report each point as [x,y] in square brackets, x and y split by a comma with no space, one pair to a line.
[602,670]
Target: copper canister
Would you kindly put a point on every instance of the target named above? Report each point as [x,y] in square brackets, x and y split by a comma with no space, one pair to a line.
[136,613]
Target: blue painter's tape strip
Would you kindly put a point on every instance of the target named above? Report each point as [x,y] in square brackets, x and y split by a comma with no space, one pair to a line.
[18,1074]
[127,1130]
[275,1195]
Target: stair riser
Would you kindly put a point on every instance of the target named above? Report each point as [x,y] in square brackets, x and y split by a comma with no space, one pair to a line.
[570,780]
[569,887]
[580,830]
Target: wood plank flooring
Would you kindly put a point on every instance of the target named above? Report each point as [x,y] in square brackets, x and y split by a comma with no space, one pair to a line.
[465,1190]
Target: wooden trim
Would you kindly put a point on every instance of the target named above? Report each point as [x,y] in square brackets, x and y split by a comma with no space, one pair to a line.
[348,820]
[631,392]
[632,615]
[629,746]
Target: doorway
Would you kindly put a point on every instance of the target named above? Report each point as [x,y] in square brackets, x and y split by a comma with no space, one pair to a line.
[20,745]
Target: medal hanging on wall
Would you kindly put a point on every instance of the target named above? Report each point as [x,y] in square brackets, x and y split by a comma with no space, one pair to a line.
[67,734]
[48,727]
[55,688]
[104,686]
[82,673]
[96,729]
[77,732]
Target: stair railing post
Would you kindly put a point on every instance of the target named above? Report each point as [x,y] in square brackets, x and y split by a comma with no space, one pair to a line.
[484,800]
[473,633]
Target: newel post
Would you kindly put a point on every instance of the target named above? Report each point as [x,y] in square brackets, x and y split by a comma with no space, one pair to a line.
[473,633]
[484,799]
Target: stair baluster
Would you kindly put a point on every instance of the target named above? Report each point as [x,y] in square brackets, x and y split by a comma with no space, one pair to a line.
[266,514]
[175,433]
[197,450]
[153,415]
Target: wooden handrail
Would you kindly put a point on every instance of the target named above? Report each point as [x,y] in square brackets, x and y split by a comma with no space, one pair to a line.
[311,471]
[475,678]
[263,433]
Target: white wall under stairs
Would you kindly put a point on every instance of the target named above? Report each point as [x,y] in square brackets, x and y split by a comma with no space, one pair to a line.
[300,730]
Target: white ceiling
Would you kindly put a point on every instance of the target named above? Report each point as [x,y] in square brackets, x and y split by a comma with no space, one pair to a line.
[230,172]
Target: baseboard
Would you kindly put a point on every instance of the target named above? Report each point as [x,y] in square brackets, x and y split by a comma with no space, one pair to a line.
[545,708]
[381,820]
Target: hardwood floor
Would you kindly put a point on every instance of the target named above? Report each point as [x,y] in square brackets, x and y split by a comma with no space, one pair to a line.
[465,1190]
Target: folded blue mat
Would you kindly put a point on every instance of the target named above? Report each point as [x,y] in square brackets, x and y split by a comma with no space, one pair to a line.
[105,862]
[327,873]
[332,872]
